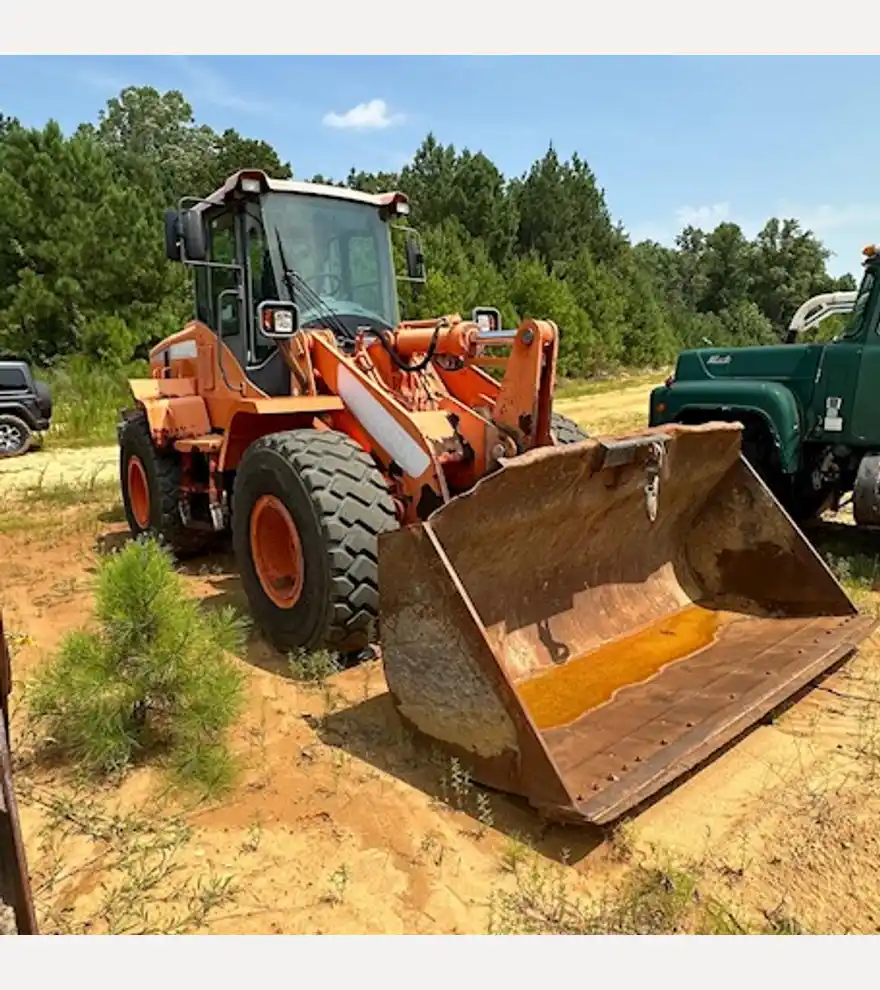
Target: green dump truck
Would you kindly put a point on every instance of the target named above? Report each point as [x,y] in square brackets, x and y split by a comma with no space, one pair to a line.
[810,411]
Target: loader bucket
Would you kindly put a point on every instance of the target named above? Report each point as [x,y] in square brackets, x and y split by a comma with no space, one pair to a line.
[592,621]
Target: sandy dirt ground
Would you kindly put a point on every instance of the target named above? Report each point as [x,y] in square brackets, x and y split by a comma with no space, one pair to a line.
[79,468]
[340,822]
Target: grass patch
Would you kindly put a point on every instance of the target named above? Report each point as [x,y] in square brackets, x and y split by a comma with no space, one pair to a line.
[65,494]
[86,400]
[100,871]
[575,388]
[849,556]
[856,572]
[153,682]
[314,667]
[650,901]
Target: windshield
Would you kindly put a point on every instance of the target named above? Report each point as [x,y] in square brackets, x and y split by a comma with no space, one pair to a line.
[341,250]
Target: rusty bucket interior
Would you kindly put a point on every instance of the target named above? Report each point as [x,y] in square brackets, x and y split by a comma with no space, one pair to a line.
[592,621]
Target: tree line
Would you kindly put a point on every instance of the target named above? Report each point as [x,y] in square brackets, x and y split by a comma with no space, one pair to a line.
[83,271]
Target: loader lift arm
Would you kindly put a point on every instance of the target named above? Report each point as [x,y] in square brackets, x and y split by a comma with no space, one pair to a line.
[422,426]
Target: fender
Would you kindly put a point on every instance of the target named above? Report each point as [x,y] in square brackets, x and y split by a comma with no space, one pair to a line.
[25,411]
[773,402]
[173,409]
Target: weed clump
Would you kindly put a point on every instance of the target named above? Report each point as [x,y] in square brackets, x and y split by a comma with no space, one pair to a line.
[153,681]
[650,901]
[313,667]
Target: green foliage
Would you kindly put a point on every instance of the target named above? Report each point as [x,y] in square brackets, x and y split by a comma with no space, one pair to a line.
[154,680]
[82,266]
[87,399]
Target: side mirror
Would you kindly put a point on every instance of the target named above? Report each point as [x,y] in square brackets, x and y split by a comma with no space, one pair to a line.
[486,318]
[278,320]
[415,259]
[192,233]
[172,235]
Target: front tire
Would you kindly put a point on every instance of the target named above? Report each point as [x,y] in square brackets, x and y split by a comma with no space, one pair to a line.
[308,507]
[150,483]
[16,437]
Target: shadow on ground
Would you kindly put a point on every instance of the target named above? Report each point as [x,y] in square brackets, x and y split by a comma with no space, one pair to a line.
[372,732]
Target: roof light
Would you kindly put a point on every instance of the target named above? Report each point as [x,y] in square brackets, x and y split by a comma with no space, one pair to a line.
[249,185]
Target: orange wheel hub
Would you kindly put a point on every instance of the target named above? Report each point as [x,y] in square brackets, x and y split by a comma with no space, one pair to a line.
[276,551]
[138,492]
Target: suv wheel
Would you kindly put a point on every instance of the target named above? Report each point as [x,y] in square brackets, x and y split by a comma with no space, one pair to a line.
[15,436]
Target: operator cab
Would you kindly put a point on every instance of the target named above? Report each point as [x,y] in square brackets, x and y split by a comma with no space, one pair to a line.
[324,249]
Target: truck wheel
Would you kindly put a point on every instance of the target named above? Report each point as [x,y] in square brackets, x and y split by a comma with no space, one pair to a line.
[565,431]
[15,436]
[308,507]
[150,483]
[866,491]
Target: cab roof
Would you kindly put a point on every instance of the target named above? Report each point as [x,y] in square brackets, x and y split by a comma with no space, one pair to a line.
[233,185]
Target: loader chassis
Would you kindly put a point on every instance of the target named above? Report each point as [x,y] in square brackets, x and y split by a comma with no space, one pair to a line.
[297,411]
[579,620]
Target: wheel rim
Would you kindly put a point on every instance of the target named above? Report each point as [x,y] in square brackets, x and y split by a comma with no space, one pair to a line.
[11,438]
[138,492]
[276,551]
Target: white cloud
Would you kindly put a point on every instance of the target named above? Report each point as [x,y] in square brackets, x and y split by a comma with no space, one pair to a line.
[707,217]
[373,115]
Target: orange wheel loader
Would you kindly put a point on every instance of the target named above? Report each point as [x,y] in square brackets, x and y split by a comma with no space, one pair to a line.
[580,620]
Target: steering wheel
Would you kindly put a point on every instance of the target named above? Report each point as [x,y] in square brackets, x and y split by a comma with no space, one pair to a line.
[336,281]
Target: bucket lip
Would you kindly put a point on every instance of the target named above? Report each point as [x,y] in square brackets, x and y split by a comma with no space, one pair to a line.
[704,742]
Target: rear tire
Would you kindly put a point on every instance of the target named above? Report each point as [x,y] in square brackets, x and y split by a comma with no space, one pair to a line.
[565,430]
[320,496]
[150,483]
[15,436]
[866,492]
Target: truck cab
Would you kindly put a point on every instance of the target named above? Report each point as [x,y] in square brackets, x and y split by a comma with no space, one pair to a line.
[810,411]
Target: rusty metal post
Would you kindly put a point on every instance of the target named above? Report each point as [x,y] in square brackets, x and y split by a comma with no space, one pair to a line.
[15,887]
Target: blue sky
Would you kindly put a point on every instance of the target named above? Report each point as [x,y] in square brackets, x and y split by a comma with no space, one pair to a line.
[671,139]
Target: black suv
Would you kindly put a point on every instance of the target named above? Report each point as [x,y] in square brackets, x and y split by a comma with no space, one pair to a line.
[25,407]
